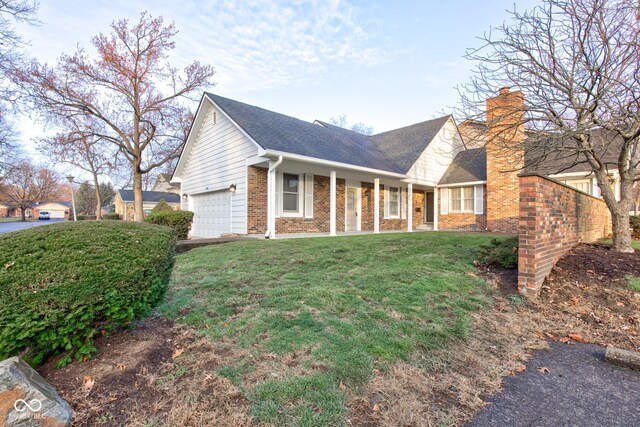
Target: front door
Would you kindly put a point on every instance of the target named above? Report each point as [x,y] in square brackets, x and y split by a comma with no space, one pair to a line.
[428,207]
[352,209]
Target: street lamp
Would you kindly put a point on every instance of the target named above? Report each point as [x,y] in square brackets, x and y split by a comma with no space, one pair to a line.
[73,199]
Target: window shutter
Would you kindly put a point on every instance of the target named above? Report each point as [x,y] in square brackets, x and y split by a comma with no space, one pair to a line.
[444,201]
[278,194]
[403,203]
[479,196]
[385,196]
[308,196]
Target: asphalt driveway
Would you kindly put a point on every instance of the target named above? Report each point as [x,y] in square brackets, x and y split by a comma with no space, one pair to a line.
[577,388]
[6,227]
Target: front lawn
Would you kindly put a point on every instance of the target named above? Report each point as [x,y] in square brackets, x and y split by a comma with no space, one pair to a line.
[306,323]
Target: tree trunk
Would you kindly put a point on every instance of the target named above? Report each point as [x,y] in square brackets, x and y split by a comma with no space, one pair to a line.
[98,199]
[23,214]
[137,193]
[621,231]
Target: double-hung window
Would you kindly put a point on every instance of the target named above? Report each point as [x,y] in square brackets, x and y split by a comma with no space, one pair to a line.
[461,199]
[290,193]
[394,202]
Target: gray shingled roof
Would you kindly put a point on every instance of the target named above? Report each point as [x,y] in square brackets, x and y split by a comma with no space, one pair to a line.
[275,131]
[606,144]
[150,196]
[403,146]
[467,166]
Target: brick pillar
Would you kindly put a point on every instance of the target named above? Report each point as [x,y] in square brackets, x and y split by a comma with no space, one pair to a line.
[505,159]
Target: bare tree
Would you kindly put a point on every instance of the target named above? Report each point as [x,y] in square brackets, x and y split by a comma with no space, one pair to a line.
[11,58]
[27,184]
[360,127]
[577,63]
[77,144]
[128,88]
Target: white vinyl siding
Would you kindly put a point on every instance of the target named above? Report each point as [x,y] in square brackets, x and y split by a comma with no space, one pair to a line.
[308,196]
[216,160]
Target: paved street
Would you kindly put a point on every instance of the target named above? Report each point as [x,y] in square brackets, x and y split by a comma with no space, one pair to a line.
[6,227]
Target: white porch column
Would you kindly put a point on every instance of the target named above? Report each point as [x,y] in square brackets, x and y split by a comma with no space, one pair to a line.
[436,209]
[376,205]
[410,207]
[271,202]
[332,206]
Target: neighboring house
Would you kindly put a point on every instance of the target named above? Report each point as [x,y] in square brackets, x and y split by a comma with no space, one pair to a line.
[56,209]
[4,210]
[163,184]
[124,205]
[247,170]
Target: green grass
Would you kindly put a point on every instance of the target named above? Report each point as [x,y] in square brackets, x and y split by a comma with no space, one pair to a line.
[634,283]
[355,304]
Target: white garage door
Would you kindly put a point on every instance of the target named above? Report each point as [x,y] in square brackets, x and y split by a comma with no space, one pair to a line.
[211,214]
[56,213]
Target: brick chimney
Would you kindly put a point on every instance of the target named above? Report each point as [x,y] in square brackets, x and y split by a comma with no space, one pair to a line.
[505,159]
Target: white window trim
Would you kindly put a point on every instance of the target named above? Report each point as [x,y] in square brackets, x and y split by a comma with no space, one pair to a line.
[387,198]
[571,183]
[291,214]
[463,207]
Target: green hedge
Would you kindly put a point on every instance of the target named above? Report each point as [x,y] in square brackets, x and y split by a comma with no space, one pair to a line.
[180,221]
[161,206]
[62,284]
[114,216]
[86,217]
[500,252]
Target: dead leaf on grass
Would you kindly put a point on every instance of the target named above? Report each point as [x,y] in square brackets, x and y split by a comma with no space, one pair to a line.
[544,370]
[9,264]
[88,382]
[577,337]
[112,398]
[177,352]
[342,386]
[376,408]
[121,366]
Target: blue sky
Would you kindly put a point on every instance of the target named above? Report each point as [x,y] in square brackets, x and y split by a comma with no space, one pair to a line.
[385,63]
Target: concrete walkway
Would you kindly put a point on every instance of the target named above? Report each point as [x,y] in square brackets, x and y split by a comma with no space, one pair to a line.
[580,389]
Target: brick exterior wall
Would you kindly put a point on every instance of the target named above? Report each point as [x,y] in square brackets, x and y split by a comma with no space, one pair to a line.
[465,221]
[320,223]
[553,219]
[505,133]
[418,208]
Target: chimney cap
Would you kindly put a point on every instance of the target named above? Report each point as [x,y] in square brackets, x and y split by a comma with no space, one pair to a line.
[504,90]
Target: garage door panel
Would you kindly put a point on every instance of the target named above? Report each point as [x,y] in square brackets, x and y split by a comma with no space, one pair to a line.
[211,214]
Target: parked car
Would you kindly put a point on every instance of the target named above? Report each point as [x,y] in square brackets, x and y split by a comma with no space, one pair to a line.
[44,215]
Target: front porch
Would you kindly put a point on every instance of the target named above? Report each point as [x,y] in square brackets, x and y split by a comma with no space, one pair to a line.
[305,199]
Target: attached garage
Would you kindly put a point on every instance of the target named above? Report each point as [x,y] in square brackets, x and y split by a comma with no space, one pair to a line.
[212,214]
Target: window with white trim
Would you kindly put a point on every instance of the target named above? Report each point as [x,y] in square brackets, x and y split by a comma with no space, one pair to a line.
[308,195]
[290,193]
[461,199]
[394,202]
[581,184]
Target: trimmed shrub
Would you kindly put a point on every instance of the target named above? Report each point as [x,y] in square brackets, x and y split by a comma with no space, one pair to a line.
[634,222]
[112,215]
[500,252]
[180,221]
[63,284]
[86,217]
[161,206]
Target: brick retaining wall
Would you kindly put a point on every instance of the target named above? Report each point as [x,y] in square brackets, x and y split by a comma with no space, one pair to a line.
[553,219]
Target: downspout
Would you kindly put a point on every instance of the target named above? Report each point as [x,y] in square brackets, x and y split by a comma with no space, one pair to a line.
[271,190]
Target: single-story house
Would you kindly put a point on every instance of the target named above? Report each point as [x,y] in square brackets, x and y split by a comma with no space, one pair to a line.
[56,209]
[247,170]
[124,205]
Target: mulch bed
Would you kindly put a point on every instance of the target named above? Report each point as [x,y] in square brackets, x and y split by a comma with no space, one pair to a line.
[588,294]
